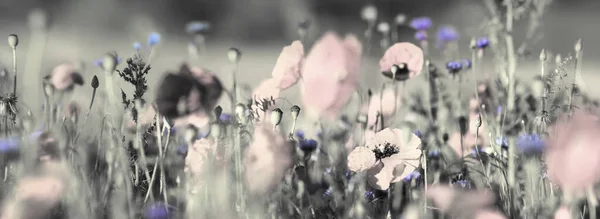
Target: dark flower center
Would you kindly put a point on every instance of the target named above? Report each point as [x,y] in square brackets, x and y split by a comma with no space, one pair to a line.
[387,150]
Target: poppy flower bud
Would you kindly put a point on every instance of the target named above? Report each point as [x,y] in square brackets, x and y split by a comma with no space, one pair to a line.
[234,55]
[400,19]
[295,111]
[215,130]
[462,124]
[218,111]
[95,82]
[383,27]
[369,13]
[13,41]
[543,55]
[276,116]
[109,62]
[578,46]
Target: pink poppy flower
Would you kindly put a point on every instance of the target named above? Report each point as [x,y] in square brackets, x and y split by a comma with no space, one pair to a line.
[399,53]
[563,213]
[571,153]
[266,160]
[386,168]
[330,75]
[459,202]
[387,109]
[488,214]
[65,77]
[198,154]
[288,66]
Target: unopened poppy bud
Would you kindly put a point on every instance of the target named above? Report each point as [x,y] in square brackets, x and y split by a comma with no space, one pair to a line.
[48,89]
[462,124]
[369,13]
[218,111]
[234,55]
[400,19]
[276,116]
[295,111]
[543,55]
[13,41]
[109,62]
[473,43]
[361,118]
[578,46]
[215,130]
[95,82]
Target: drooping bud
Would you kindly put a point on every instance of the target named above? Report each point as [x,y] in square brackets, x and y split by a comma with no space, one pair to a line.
[215,130]
[276,116]
[13,41]
[295,111]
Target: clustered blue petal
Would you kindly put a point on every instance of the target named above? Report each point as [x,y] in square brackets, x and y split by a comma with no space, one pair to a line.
[502,141]
[447,34]
[414,175]
[421,23]
[454,66]
[421,35]
[482,43]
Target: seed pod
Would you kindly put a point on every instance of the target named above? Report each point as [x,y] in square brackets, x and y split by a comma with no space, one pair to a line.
[295,111]
[109,62]
[276,116]
[234,55]
[13,41]
[215,130]
[95,82]
[543,55]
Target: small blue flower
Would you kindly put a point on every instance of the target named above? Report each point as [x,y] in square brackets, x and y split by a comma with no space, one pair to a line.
[308,144]
[530,143]
[502,141]
[196,26]
[454,67]
[467,63]
[421,35]
[447,34]
[499,110]
[225,117]
[137,46]
[482,43]
[158,211]
[412,176]
[300,134]
[433,154]
[418,133]
[153,38]
[98,62]
[421,23]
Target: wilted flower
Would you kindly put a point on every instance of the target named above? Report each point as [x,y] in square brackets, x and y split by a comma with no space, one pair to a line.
[289,65]
[388,157]
[571,152]
[330,75]
[65,77]
[402,53]
[420,23]
[266,160]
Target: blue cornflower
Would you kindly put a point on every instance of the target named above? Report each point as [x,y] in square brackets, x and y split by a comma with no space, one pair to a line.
[418,133]
[433,154]
[414,175]
[196,26]
[465,184]
[308,144]
[530,143]
[421,35]
[454,67]
[482,43]
[447,34]
[153,38]
[158,211]
[137,46]
[420,23]
[502,141]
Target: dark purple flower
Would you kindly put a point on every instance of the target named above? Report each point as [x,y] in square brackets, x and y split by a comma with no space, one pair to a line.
[158,211]
[421,35]
[454,67]
[482,43]
[300,134]
[308,144]
[433,154]
[420,23]
[412,176]
[530,143]
[447,34]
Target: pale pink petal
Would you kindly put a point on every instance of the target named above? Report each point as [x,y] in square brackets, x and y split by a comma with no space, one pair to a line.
[563,213]
[442,197]
[289,64]
[267,89]
[407,53]
[361,159]
[198,154]
[62,76]
[448,199]
[488,214]
[387,109]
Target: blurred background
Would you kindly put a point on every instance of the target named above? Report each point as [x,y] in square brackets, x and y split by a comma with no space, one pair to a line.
[84,30]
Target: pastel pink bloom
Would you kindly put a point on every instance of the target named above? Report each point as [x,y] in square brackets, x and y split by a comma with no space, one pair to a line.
[200,153]
[399,53]
[267,92]
[381,173]
[387,109]
[453,201]
[488,214]
[563,213]
[65,77]
[266,160]
[572,152]
[330,75]
[289,64]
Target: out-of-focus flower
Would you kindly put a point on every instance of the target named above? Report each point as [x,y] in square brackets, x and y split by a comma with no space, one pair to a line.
[421,23]
[530,143]
[330,75]
[289,65]
[421,35]
[402,53]
[308,144]
[447,34]
[198,154]
[383,104]
[466,63]
[489,214]
[571,152]
[459,203]
[369,13]
[137,46]
[153,38]
[470,139]
[195,27]
[563,213]
[388,157]
[502,141]
[266,160]
[266,97]
[100,61]
[454,67]
[482,43]
[158,211]
[65,77]
[412,176]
